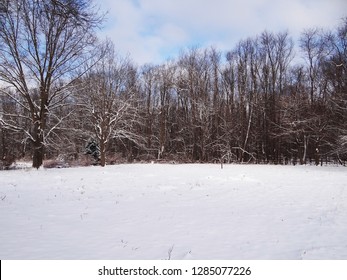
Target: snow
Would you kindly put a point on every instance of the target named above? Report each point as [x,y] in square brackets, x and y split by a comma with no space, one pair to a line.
[167,211]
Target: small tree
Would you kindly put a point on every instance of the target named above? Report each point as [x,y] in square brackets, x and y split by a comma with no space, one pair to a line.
[93,149]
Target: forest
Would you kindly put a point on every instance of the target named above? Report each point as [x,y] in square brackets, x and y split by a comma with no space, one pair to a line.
[67,97]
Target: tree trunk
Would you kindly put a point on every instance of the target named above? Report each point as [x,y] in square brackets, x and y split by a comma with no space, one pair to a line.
[38,152]
[102,153]
[38,146]
[306,139]
[38,155]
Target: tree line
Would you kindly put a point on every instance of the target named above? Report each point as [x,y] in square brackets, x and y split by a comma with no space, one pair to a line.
[267,100]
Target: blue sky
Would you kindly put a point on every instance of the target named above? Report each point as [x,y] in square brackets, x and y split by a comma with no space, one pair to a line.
[151,31]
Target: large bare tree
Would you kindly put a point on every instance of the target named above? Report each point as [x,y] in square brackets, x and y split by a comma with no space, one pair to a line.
[42,45]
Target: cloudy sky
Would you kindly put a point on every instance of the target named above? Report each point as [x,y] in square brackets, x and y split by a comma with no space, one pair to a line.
[151,31]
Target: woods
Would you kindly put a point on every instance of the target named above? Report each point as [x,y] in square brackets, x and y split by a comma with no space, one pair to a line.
[267,100]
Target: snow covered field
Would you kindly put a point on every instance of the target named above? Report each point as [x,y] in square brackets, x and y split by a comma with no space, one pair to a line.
[157,211]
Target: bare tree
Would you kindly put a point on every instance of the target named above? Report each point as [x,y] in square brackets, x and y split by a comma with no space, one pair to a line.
[314,47]
[42,44]
[274,56]
[196,94]
[108,97]
[335,73]
[148,91]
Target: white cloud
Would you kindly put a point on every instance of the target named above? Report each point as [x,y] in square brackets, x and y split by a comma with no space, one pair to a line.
[151,30]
